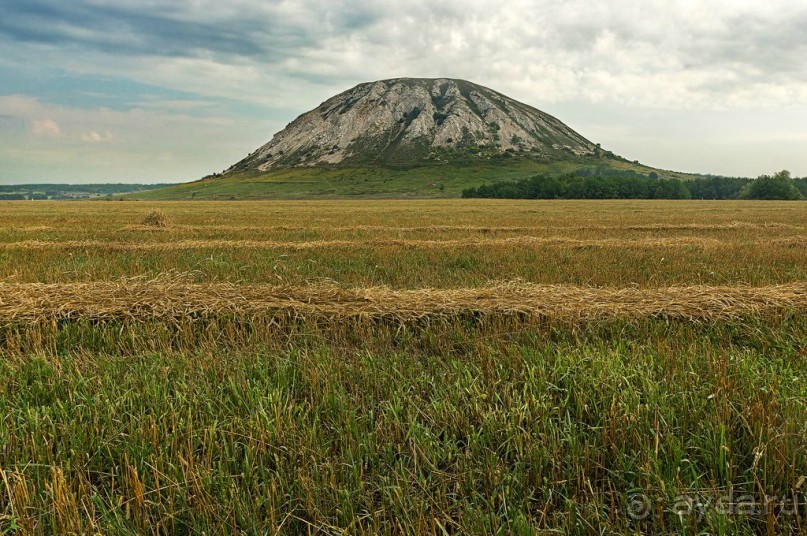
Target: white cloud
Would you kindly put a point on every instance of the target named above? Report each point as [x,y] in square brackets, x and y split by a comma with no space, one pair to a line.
[88,150]
[672,53]
[95,137]
[677,60]
[45,128]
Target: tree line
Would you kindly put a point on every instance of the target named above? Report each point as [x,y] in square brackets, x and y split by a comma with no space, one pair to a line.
[599,184]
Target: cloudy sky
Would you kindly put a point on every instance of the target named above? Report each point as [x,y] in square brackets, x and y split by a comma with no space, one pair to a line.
[170,90]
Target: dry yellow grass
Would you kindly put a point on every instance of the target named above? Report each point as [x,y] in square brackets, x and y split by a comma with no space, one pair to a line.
[473,229]
[439,244]
[167,299]
[383,367]
[436,229]
[155,218]
[405,243]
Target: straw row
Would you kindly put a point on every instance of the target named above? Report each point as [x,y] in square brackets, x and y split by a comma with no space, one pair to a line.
[403,242]
[446,228]
[163,298]
[487,228]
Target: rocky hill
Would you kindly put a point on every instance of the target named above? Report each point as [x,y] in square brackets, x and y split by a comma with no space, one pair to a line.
[414,121]
[406,137]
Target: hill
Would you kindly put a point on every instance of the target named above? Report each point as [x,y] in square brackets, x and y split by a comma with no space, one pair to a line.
[406,137]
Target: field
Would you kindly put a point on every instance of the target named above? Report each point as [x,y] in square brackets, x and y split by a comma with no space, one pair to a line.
[433,366]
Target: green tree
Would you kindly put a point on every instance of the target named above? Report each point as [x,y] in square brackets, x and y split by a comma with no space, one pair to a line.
[779,186]
[801,184]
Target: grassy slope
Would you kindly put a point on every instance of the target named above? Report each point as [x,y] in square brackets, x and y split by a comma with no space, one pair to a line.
[435,180]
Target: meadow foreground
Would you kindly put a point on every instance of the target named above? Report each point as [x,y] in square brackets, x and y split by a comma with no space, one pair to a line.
[418,367]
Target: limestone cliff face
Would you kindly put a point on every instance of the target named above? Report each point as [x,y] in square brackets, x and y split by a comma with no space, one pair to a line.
[412,121]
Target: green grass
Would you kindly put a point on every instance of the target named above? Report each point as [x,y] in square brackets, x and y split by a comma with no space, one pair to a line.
[468,424]
[430,180]
[357,265]
[444,428]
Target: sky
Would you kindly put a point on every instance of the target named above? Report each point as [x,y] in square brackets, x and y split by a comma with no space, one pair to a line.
[172,90]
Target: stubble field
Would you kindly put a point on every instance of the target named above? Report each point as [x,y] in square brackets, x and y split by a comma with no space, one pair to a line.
[403,367]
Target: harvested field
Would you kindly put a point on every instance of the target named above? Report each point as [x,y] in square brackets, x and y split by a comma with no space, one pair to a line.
[440,367]
[147,300]
[440,244]
[374,243]
[469,229]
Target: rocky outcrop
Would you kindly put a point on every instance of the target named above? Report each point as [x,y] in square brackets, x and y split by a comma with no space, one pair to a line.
[411,121]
